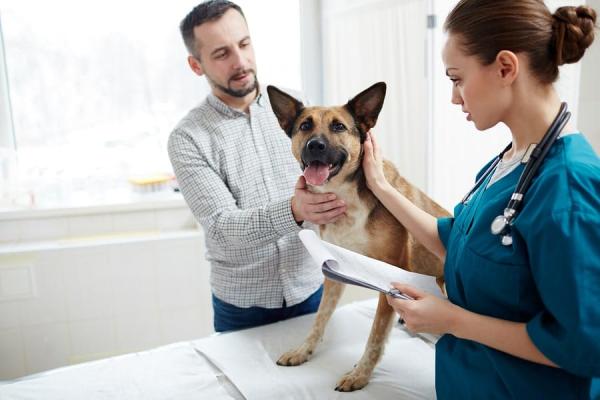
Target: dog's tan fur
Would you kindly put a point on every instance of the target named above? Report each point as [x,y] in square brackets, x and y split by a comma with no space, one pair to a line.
[367,227]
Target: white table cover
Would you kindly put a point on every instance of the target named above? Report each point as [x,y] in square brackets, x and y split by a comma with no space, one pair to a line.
[247,358]
[175,371]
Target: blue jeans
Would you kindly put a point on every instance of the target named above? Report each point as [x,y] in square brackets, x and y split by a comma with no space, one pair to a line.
[228,317]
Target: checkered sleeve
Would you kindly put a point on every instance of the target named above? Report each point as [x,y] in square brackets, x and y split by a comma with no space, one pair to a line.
[214,206]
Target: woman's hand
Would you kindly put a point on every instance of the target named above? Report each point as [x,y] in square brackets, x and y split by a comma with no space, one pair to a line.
[373,164]
[426,313]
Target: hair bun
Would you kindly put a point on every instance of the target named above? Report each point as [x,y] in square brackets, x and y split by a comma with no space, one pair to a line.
[573,32]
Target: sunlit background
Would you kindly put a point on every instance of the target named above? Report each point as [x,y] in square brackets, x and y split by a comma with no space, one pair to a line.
[95,91]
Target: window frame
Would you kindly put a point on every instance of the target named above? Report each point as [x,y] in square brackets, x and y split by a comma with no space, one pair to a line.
[7,132]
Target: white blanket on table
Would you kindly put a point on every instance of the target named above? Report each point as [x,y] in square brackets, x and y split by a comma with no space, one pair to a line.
[247,358]
[175,372]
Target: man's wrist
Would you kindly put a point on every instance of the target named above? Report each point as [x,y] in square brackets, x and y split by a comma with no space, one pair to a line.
[295,213]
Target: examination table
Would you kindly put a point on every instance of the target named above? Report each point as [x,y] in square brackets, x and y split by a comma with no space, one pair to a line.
[241,365]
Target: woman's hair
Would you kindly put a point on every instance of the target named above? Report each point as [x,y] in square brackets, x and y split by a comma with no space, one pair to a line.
[485,27]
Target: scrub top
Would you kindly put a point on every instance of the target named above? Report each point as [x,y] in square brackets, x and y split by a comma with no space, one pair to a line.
[549,278]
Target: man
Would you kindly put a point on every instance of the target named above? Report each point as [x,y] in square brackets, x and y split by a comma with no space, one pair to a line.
[237,174]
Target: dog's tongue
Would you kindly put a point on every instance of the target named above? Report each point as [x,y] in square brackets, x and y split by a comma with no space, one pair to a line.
[316,173]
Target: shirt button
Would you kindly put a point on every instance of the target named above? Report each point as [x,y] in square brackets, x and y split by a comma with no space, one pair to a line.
[283,270]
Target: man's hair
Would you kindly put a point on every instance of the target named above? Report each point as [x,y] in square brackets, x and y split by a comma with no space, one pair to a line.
[210,10]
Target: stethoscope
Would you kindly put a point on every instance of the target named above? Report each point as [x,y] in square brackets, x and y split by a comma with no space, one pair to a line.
[534,156]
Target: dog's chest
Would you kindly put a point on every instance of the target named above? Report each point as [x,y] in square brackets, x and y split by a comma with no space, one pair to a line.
[349,231]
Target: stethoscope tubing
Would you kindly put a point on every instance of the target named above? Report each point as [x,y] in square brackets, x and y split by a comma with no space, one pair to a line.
[536,158]
[502,223]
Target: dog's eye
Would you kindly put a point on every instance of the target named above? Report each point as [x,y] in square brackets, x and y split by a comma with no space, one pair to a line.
[306,126]
[338,127]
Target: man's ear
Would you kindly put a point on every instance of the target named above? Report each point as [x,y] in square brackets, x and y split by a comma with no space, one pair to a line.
[195,65]
[285,107]
[508,66]
[365,107]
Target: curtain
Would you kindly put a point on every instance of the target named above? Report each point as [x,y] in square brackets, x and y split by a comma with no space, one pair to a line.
[367,41]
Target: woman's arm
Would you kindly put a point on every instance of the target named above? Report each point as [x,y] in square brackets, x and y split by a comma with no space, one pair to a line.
[507,336]
[431,314]
[419,223]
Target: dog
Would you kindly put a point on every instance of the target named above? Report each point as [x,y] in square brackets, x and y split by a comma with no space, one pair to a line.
[328,144]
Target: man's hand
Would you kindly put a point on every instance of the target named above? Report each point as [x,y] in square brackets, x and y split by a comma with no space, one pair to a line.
[318,208]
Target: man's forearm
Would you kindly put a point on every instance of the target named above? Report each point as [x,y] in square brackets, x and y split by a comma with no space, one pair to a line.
[251,227]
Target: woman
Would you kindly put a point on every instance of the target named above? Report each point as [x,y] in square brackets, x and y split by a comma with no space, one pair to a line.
[523,318]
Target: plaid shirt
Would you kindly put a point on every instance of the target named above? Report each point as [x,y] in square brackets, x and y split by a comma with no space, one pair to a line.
[237,174]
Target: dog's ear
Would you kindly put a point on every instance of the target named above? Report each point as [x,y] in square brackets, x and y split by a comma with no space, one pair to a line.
[365,107]
[285,107]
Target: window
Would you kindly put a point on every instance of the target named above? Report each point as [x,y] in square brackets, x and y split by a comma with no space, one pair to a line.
[95,89]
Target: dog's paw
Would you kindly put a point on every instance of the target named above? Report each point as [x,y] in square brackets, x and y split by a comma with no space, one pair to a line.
[353,380]
[294,357]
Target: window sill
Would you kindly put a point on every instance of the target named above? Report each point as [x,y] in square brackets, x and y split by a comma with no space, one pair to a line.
[6,248]
[134,202]
[146,214]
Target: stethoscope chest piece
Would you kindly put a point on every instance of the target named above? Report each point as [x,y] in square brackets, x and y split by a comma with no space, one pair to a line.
[499,225]
[507,240]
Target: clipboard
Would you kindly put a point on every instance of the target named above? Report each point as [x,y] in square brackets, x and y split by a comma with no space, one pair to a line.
[346,266]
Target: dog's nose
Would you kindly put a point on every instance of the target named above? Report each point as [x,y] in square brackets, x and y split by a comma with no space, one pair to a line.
[316,146]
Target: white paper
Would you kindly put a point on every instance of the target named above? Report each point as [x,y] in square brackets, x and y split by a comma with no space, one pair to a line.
[357,266]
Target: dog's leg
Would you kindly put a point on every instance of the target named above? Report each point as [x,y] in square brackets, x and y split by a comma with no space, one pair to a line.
[332,291]
[359,376]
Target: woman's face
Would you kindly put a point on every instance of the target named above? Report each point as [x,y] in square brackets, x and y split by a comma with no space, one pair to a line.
[475,87]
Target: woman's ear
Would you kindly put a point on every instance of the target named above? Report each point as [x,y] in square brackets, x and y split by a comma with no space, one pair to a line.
[508,66]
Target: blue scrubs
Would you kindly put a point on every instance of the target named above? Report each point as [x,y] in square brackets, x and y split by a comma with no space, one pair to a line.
[549,279]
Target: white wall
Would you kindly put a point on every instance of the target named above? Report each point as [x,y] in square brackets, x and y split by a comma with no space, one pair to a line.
[96,284]
[311,45]
[589,100]
[275,30]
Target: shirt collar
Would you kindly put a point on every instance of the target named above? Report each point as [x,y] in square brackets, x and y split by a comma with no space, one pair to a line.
[224,109]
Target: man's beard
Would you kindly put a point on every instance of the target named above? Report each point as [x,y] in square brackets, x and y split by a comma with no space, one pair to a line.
[240,92]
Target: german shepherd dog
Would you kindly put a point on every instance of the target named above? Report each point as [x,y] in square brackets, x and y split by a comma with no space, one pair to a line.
[328,144]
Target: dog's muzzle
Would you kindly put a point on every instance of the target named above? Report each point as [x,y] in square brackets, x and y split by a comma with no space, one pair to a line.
[320,161]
